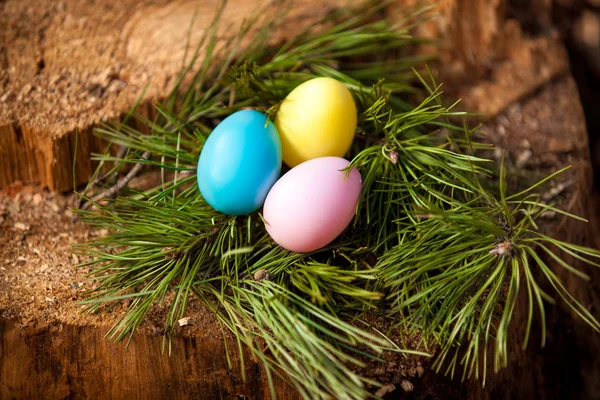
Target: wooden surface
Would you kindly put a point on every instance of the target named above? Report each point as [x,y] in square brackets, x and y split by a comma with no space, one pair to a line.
[74,362]
[550,126]
[66,66]
[76,61]
[484,49]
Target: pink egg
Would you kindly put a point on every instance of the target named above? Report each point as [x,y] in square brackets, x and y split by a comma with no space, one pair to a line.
[312,204]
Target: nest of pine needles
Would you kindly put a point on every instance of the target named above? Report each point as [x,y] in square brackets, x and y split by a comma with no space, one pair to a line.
[437,247]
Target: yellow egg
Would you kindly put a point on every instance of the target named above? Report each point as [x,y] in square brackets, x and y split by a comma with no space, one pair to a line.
[317,119]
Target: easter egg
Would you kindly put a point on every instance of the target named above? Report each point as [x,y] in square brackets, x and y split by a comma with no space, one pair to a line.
[240,161]
[316,119]
[312,204]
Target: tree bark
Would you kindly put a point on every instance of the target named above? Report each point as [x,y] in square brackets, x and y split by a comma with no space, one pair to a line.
[77,362]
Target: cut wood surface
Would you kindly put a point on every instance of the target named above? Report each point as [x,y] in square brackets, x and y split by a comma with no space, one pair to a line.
[66,66]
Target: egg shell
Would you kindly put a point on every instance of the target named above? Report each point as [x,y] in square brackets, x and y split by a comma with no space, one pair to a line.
[239,163]
[316,119]
[312,204]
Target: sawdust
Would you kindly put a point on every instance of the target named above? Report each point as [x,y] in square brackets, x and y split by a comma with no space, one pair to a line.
[40,282]
[64,66]
[70,64]
[67,66]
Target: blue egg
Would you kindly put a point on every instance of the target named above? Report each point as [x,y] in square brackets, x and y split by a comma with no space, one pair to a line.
[239,163]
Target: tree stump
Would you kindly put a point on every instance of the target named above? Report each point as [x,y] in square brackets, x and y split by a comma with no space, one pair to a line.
[67,66]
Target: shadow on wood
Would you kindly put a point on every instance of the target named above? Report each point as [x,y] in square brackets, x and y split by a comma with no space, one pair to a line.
[73,362]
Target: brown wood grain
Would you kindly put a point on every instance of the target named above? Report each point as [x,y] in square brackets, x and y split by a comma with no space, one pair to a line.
[67,66]
[77,362]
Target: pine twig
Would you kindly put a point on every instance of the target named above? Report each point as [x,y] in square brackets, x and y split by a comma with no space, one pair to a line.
[111,175]
[112,191]
[112,179]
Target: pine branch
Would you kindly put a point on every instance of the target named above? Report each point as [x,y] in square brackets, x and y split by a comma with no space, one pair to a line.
[435,244]
[118,186]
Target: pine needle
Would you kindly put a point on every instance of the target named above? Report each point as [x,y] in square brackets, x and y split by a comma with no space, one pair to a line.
[429,246]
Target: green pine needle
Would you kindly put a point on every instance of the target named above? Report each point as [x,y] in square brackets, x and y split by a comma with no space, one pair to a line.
[434,244]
